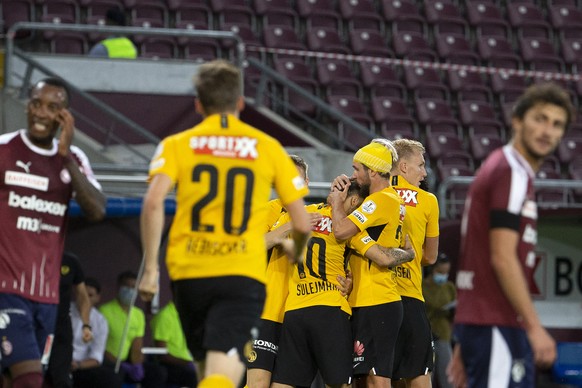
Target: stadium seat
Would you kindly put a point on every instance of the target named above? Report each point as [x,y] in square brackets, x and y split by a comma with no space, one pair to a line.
[551,164]
[71,43]
[282,37]
[295,70]
[472,112]
[528,20]
[540,54]
[337,79]
[569,147]
[14,11]
[498,51]
[60,11]
[193,16]
[319,13]
[201,49]
[508,87]
[468,86]
[455,48]
[381,80]
[159,48]
[150,13]
[551,196]
[237,12]
[327,40]
[353,108]
[280,17]
[404,16]
[425,83]
[361,14]
[571,49]
[444,16]
[386,110]
[431,111]
[399,129]
[369,43]
[481,146]
[414,46]
[567,20]
[487,20]
[443,145]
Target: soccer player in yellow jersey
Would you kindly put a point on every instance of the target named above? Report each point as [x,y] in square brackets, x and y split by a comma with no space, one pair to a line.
[375,301]
[261,360]
[223,171]
[316,332]
[413,358]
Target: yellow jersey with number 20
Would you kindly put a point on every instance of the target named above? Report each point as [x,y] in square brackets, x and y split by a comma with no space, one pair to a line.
[224,171]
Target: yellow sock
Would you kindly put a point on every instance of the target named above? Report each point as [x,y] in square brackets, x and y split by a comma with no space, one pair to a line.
[216,381]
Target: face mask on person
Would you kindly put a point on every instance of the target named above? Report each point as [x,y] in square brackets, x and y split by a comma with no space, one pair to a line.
[440,278]
[125,295]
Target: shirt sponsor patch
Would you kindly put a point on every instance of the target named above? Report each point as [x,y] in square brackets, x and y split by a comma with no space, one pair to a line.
[298,183]
[367,240]
[369,207]
[324,226]
[359,216]
[16,178]
[530,210]
[409,196]
[236,147]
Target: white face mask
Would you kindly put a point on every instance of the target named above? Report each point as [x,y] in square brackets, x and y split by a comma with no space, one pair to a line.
[125,295]
[440,278]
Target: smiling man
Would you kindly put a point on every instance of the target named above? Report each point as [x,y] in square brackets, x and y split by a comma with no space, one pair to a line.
[499,332]
[38,176]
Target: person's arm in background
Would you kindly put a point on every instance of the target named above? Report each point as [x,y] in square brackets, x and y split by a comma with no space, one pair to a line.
[505,263]
[84,306]
[135,354]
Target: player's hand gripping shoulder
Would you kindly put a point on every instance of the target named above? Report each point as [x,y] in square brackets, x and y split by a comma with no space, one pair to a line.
[391,257]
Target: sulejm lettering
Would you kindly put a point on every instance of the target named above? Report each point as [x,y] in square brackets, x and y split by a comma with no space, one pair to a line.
[315,287]
[36,204]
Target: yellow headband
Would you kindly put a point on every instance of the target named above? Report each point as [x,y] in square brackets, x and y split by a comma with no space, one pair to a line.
[375,156]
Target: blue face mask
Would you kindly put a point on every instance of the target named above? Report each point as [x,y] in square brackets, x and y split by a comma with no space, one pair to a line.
[125,295]
[440,278]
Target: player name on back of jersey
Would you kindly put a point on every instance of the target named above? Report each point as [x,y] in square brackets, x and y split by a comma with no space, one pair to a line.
[236,147]
[315,287]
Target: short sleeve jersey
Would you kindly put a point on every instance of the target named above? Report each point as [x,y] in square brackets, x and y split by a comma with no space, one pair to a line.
[35,190]
[422,213]
[501,196]
[166,327]
[116,317]
[278,269]
[313,282]
[224,171]
[382,216]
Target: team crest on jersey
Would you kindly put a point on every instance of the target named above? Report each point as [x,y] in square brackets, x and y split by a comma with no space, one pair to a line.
[369,207]
[236,147]
[409,196]
[324,226]
[65,176]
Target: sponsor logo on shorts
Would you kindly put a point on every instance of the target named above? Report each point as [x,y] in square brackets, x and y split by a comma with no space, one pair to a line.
[358,352]
[518,371]
[237,147]
[4,320]
[17,178]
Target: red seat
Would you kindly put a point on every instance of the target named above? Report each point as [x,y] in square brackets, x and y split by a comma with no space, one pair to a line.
[72,43]
[571,49]
[404,16]
[353,108]
[567,20]
[508,87]
[471,112]
[569,147]
[326,40]
[414,46]
[388,110]
[468,86]
[440,145]
[361,14]
[497,51]
[529,20]
[455,48]
[445,17]
[159,48]
[295,70]
[320,13]
[540,54]
[193,16]
[337,79]
[487,19]
[425,83]
[282,37]
[482,145]
[381,80]
[234,12]
[369,43]
[14,11]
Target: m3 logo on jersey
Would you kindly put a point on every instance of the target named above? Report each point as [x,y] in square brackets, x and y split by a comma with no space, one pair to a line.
[237,147]
[409,196]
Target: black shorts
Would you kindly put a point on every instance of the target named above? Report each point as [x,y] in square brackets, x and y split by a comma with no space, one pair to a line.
[374,329]
[414,355]
[315,338]
[220,313]
[265,347]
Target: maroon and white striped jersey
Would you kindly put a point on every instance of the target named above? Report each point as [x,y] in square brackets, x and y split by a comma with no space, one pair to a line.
[501,196]
[35,189]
